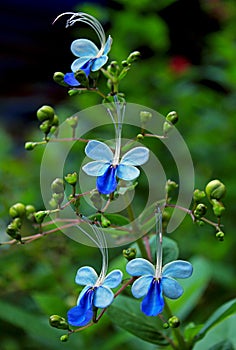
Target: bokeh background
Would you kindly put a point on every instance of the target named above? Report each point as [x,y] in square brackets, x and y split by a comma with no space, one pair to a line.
[188,55]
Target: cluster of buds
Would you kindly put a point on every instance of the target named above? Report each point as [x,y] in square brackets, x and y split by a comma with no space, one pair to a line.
[49,120]
[58,188]
[171,119]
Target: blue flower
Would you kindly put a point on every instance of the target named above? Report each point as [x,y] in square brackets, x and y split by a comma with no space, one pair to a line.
[91,58]
[154,284]
[107,167]
[96,293]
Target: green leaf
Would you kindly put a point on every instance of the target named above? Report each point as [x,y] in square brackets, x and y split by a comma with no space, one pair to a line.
[218,316]
[194,287]
[223,345]
[125,312]
[191,330]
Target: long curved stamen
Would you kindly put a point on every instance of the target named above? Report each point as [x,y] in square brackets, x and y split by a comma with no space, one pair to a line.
[158,215]
[87,19]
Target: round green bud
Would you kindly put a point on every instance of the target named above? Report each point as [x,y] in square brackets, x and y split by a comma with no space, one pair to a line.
[73,92]
[13,230]
[58,77]
[165,325]
[215,190]
[45,113]
[140,137]
[170,186]
[200,210]
[58,186]
[81,77]
[198,195]
[113,67]
[71,179]
[220,236]
[58,322]
[17,210]
[174,322]
[73,121]
[133,56]
[167,127]
[64,338]
[125,63]
[29,146]
[96,199]
[218,207]
[129,253]
[58,197]
[55,121]
[29,211]
[105,222]
[45,127]
[40,216]
[172,117]
[145,116]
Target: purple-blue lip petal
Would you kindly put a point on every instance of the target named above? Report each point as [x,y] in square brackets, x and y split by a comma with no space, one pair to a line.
[107,183]
[153,302]
[69,79]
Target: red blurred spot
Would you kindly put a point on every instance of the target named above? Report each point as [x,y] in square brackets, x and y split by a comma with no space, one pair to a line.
[179,64]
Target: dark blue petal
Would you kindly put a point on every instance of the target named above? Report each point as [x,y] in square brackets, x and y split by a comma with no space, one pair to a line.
[87,67]
[153,303]
[107,182]
[82,314]
[69,79]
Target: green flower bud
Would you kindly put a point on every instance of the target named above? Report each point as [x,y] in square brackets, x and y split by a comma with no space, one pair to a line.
[125,63]
[165,325]
[64,338]
[71,179]
[172,117]
[40,216]
[167,127]
[13,229]
[72,121]
[215,190]
[129,253]
[29,146]
[58,77]
[96,199]
[53,204]
[220,236]
[133,56]
[45,113]
[45,127]
[58,186]
[81,77]
[29,211]
[140,137]
[17,210]
[113,67]
[58,197]
[198,196]
[200,210]
[145,116]
[73,92]
[174,322]
[58,322]
[55,121]
[218,207]
[105,222]
[170,186]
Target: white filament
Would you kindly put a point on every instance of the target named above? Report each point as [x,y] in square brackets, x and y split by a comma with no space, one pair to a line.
[158,215]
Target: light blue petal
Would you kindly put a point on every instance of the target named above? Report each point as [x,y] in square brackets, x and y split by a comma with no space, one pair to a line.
[99,62]
[86,276]
[139,267]
[107,183]
[84,47]
[96,168]
[79,63]
[136,156]
[177,269]
[141,285]
[153,303]
[127,172]
[98,151]
[103,297]
[113,279]
[81,295]
[171,288]
[107,46]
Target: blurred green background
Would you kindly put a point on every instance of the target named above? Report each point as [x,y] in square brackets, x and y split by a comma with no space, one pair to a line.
[188,55]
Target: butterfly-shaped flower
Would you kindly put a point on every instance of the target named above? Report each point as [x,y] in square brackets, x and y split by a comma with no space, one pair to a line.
[91,58]
[97,292]
[107,168]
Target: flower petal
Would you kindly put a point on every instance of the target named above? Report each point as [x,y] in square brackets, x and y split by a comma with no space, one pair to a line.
[171,288]
[84,47]
[113,279]
[86,276]
[81,62]
[69,78]
[107,45]
[107,183]
[127,172]
[82,314]
[103,297]
[99,62]
[177,269]
[98,151]
[153,303]
[141,286]
[96,168]
[136,156]
[139,267]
